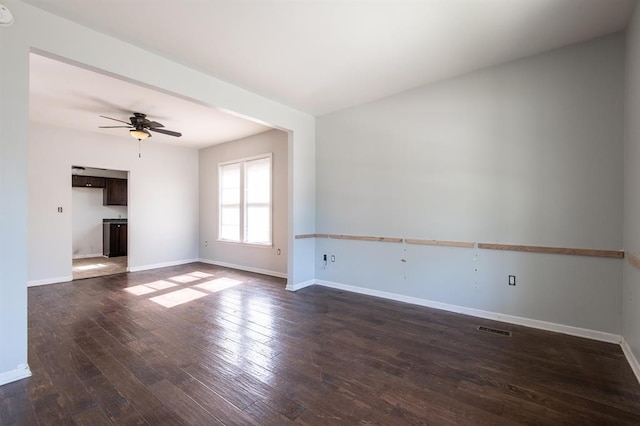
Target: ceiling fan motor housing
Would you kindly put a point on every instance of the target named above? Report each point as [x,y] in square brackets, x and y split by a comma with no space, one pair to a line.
[138,119]
[141,126]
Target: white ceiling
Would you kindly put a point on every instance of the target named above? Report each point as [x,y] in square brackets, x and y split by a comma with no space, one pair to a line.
[69,96]
[324,55]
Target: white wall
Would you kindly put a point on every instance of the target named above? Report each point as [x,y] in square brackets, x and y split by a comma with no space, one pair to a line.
[631,282]
[162,204]
[86,222]
[529,152]
[259,259]
[33,29]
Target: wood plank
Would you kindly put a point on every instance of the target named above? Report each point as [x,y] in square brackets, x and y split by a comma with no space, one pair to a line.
[302,236]
[352,237]
[92,417]
[222,409]
[185,407]
[365,238]
[634,259]
[15,407]
[619,254]
[439,243]
[266,414]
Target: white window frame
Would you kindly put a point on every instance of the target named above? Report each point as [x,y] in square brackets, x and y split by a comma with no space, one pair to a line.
[243,203]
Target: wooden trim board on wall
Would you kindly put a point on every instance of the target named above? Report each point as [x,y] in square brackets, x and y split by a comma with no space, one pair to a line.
[351,237]
[365,238]
[616,254]
[440,243]
[619,254]
[390,240]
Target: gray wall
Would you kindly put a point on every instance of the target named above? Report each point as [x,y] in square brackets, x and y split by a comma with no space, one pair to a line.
[631,282]
[529,152]
[259,259]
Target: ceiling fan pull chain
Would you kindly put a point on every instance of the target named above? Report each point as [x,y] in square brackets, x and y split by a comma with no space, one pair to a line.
[139,155]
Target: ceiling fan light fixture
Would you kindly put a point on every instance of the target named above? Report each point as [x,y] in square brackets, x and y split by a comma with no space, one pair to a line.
[139,134]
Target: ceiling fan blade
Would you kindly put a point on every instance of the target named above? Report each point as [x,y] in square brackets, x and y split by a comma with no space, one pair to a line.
[115,119]
[166,132]
[154,124]
[115,127]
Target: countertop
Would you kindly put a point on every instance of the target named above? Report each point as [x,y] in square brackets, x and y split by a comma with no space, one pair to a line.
[116,221]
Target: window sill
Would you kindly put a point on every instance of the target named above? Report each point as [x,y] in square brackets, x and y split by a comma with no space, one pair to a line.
[240,243]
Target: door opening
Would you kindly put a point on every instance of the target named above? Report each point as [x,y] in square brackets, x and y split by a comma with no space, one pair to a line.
[100,237]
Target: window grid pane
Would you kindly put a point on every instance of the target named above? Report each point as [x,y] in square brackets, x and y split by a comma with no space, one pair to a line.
[244,203]
[258,201]
[230,202]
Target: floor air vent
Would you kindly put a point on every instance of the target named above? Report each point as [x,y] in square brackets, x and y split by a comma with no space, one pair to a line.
[494,331]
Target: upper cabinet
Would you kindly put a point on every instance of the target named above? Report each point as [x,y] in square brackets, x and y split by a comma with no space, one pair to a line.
[88,181]
[115,192]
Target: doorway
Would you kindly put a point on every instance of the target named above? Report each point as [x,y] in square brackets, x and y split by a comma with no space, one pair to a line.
[100,239]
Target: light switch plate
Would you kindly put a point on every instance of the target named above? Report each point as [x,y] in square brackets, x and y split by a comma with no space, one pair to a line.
[6,17]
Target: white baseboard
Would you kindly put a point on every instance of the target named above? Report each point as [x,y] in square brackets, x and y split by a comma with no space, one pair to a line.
[22,372]
[85,256]
[161,265]
[298,286]
[542,325]
[631,358]
[46,281]
[245,268]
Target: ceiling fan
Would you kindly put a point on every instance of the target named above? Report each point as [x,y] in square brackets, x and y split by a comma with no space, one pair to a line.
[140,126]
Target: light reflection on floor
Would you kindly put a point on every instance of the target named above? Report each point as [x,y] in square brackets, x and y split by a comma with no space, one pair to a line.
[139,290]
[178,297]
[218,284]
[183,295]
[184,279]
[237,341]
[89,267]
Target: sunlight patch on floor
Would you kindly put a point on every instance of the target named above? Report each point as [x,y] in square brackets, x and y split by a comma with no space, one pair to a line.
[178,297]
[218,284]
[89,267]
[182,294]
[186,278]
[200,274]
[139,290]
[161,285]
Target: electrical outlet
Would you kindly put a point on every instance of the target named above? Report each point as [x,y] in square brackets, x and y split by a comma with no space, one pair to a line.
[333,258]
[512,280]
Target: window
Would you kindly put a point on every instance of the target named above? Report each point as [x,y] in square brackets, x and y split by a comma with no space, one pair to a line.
[245,200]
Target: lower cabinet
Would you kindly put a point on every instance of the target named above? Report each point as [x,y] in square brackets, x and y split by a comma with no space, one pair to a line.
[114,239]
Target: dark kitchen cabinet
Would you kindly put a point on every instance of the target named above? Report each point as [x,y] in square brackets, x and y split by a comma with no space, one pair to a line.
[87,181]
[115,192]
[114,239]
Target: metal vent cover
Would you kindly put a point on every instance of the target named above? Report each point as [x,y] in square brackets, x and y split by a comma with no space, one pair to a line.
[494,331]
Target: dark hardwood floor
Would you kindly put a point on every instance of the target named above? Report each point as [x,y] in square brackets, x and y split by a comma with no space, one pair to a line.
[203,345]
